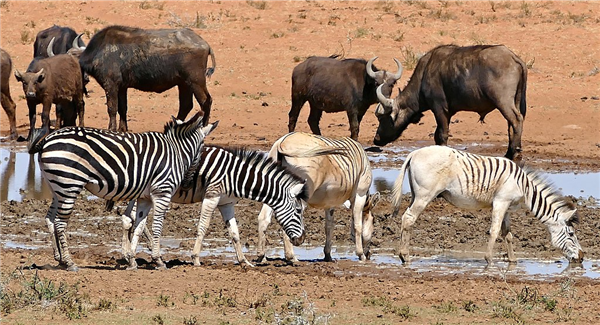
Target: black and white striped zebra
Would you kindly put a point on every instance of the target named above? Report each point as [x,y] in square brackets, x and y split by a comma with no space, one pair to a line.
[147,167]
[225,175]
[332,180]
[472,181]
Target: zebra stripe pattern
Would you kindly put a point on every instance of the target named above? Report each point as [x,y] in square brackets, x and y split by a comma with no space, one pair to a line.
[115,166]
[337,171]
[239,173]
[226,174]
[473,181]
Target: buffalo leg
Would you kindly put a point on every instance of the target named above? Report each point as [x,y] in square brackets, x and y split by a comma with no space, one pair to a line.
[204,99]
[441,131]
[46,116]
[111,103]
[354,124]
[313,120]
[515,129]
[32,118]
[186,102]
[297,104]
[81,112]
[122,106]
[9,107]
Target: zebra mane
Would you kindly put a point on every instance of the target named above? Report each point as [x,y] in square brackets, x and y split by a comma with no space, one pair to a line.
[552,194]
[254,157]
[183,126]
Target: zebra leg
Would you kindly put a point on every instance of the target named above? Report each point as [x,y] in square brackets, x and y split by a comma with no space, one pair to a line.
[329,224]
[264,219]
[227,211]
[498,212]
[50,220]
[127,220]
[508,238]
[140,215]
[357,210]
[208,207]
[408,220]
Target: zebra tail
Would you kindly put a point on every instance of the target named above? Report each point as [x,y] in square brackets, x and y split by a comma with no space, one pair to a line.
[318,151]
[36,141]
[397,190]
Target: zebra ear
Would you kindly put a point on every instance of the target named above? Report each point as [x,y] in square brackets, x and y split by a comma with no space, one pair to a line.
[209,128]
[297,190]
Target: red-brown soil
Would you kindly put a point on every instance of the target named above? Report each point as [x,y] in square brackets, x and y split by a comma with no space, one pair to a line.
[257,44]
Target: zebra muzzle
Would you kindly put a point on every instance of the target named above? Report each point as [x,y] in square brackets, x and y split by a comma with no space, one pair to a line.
[297,241]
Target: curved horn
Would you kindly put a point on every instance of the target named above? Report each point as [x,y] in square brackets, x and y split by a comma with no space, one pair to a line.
[49,49]
[385,102]
[76,42]
[370,71]
[398,74]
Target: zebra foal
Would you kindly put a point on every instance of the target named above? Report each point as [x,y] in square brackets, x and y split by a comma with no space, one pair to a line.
[147,167]
[473,182]
[332,179]
[225,175]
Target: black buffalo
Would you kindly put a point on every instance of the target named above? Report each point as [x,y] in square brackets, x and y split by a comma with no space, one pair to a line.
[8,104]
[332,85]
[153,60]
[449,79]
[63,41]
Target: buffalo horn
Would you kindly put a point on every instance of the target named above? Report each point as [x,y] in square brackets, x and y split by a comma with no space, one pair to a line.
[370,71]
[385,102]
[76,42]
[49,49]
[399,72]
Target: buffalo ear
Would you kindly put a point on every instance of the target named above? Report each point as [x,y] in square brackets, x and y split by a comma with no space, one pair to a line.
[41,75]
[18,76]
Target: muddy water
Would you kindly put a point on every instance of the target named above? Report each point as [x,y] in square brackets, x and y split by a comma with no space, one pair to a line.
[21,178]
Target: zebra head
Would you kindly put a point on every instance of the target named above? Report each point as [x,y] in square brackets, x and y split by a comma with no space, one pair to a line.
[563,235]
[290,218]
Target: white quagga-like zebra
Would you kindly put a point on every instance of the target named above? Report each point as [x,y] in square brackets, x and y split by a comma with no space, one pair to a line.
[147,167]
[225,175]
[471,181]
[332,180]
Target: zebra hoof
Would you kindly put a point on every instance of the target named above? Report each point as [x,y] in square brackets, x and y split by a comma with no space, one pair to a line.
[244,264]
[328,258]
[73,268]
[132,266]
[260,259]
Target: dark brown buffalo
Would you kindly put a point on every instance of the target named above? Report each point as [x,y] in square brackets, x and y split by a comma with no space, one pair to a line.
[63,41]
[8,104]
[55,80]
[331,85]
[153,60]
[449,79]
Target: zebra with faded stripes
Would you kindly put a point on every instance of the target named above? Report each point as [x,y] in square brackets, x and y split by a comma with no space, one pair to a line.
[147,167]
[225,175]
[332,180]
[473,182]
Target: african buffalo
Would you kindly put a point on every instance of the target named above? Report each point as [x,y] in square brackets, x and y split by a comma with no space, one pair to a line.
[8,104]
[55,80]
[331,85]
[449,79]
[153,60]
[63,41]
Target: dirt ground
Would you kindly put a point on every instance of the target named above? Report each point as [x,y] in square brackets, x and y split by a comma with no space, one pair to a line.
[257,44]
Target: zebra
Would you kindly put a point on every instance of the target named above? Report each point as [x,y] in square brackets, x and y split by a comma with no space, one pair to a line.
[332,180]
[146,167]
[472,181]
[227,174]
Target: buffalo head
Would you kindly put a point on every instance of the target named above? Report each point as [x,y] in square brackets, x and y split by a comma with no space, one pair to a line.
[394,117]
[382,77]
[33,82]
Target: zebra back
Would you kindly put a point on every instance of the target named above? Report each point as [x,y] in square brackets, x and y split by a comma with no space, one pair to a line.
[240,173]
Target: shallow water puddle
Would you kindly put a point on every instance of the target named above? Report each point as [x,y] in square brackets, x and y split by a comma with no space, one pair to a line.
[575,184]
[20,177]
